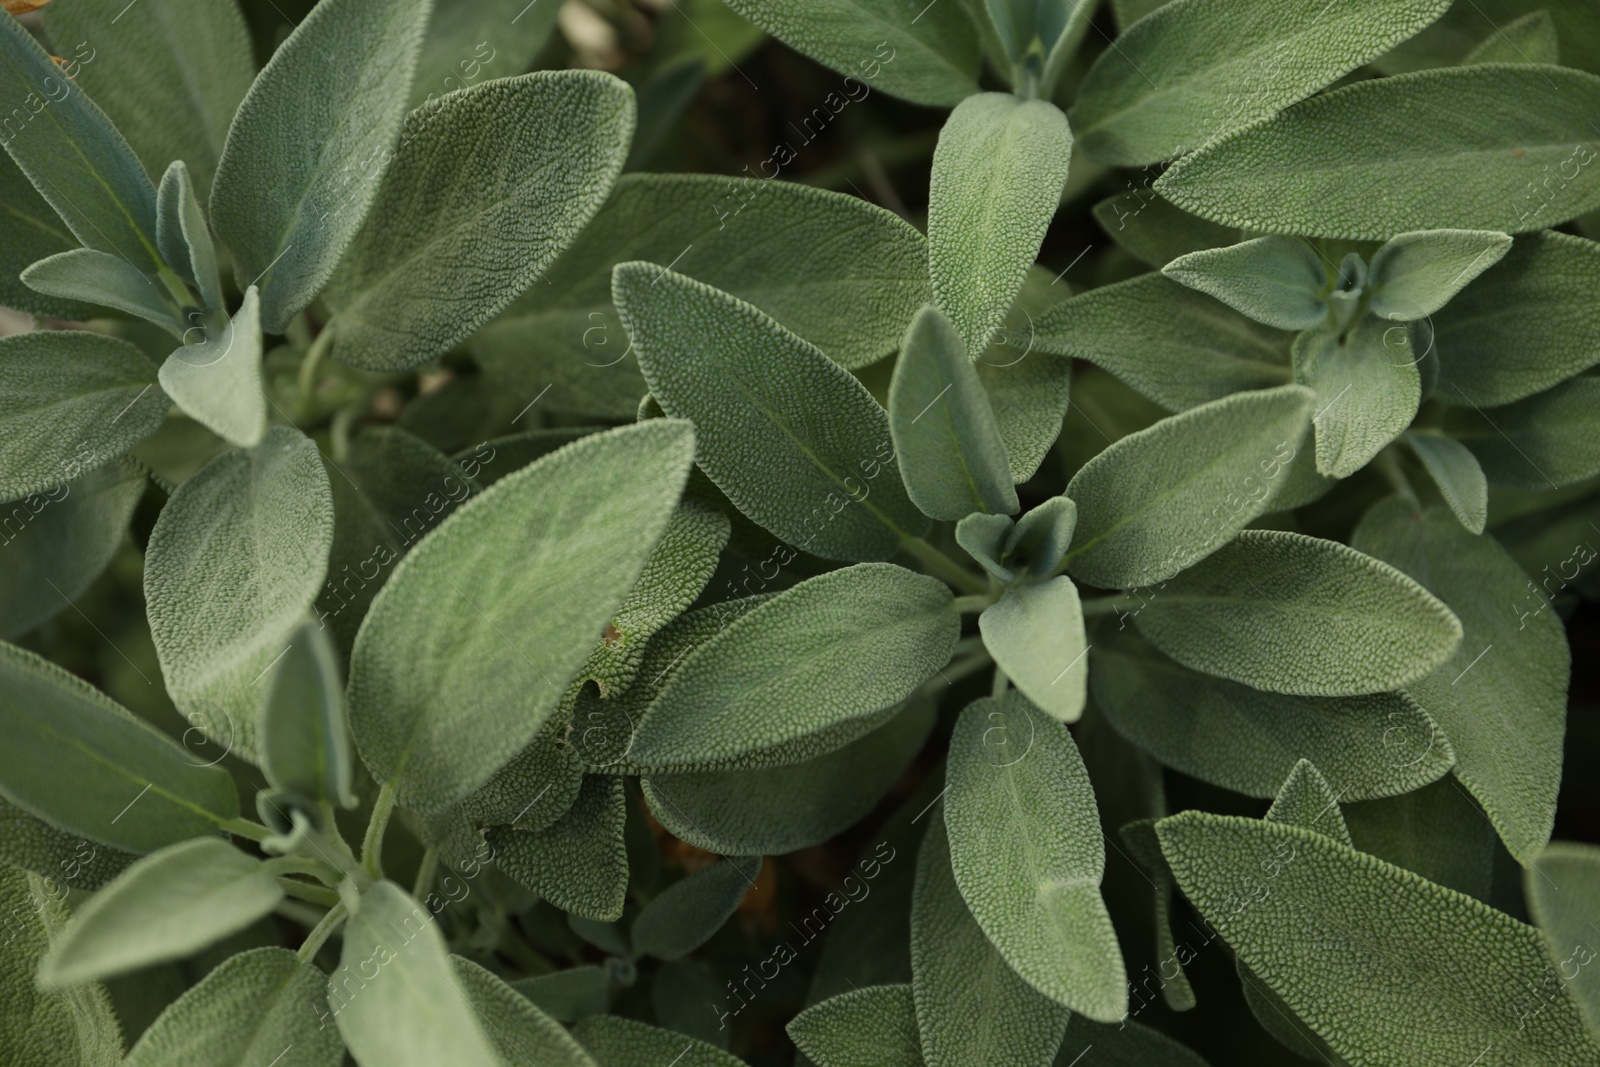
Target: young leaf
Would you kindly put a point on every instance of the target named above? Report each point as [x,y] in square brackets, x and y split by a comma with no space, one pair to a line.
[1152,503]
[1279,281]
[617,1042]
[411,1010]
[1154,231]
[580,862]
[1437,831]
[1501,698]
[984,538]
[1223,64]
[1176,346]
[303,733]
[1377,961]
[998,172]
[253,1006]
[1306,799]
[1544,441]
[932,56]
[1529,39]
[234,562]
[834,648]
[30,231]
[1534,303]
[217,380]
[875,1026]
[70,402]
[793,439]
[1346,164]
[525,576]
[297,174]
[1455,470]
[1415,274]
[76,757]
[1025,846]
[1036,545]
[689,913]
[166,906]
[1035,634]
[1563,888]
[1030,397]
[99,278]
[74,155]
[427,270]
[944,432]
[183,237]
[1368,388]
[516,1028]
[1295,614]
[973,1010]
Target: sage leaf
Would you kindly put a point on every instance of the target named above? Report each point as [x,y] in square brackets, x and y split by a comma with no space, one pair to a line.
[614,1041]
[1025,847]
[183,237]
[1544,441]
[984,538]
[1035,634]
[234,562]
[281,1001]
[1278,281]
[1563,887]
[217,380]
[568,995]
[1222,65]
[167,905]
[517,1030]
[30,231]
[1307,799]
[28,842]
[1456,471]
[77,758]
[1368,388]
[1154,231]
[1123,1045]
[1140,838]
[296,175]
[998,172]
[459,33]
[1529,39]
[1163,498]
[945,438]
[1437,831]
[1036,545]
[687,914]
[579,863]
[425,272]
[1415,274]
[875,1026]
[1341,165]
[525,575]
[1295,614]
[91,277]
[304,745]
[790,437]
[1030,397]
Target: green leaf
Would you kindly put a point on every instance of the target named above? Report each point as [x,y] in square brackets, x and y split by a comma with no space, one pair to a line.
[168,905]
[170,75]
[944,432]
[1534,303]
[1163,498]
[1544,441]
[1529,39]
[1279,281]
[1501,698]
[1455,470]
[834,648]
[1025,846]
[1415,274]
[29,842]
[59,541]
[52,1027]
[304,746]
[1030,397]
[617,1042]
[1563,888]
[72,401]
[1345,164]
[1154,231]
[297,174]
[580,862]
[984,538]
[790,437]
[1368,388]
[1122,1045]
[568,995]
[74,155]
[512,170]
[1223,64]
[217,381]
[1377,961]
[1035,634]
[487,619]
[775,810]
[518,1031]
[412,1010]
[1295,614]
[1140,838]
[1246,740]
[183,237]
[30,231]
[252,1007]
[927,58]
[234,562]
[531,791]
[76,757]
[105,280]
[689,913]
[465,44]
[875,1026]
[972,1008]
[1436,831]
[1176,346]
[998,172]
[1039,541]
[1306,799]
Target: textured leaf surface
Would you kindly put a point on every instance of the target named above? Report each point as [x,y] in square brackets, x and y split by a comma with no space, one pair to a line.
[1545,441]
[1156,232]
[100,278]
[687,914]
[1295,614]
[495,183]
[518,1031]
[1455,470]
[465,44]
[1035,634]
[875,1026]
[567,995]
[1564,896]
[1030,397]
[30,231]
[1278,281]
[183,236]
[1529,39]
[217,382]
[304,736]
[234,562]
[617,1042]
[486,620]
[998,172]
[1416,274]
[790,437]
[1438,832]
[1122,1045]
[1355,163]
[1367,387]
[1025,846]
[32,844]
[579,863]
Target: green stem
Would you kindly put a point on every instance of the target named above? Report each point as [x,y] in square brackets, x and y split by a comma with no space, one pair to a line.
[971,605]
[999,683]
[321,932]
[296,912]
[956,671]
[246,828]
[308,366]
[1105,605]
[943,566]
[1389,466]
[372,845]
[316,894]
[321,870]
[425,873]
[514,945]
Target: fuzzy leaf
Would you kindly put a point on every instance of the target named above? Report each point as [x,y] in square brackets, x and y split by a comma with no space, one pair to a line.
[790,437]
[1154,231]
[1455,470]
[1307,799]
[580,862]
[875,1026]
[297,174]
[30,231]
[1563,890]
[32,844]
[1437,831]
[1035,634]
[304,746]
[1122,1045]
[1529,39]
[217,381]
[99,278]
[453,52]
[568,995]
[617,1042]
[998,172]
[518,1031]
[1030,397]
[1415,274]
[689,913]
[1025,846]
[1368,388]
[234,562]
[1223,64]
[183,236]
[1353,163]
[1544,441]
[1278,281]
